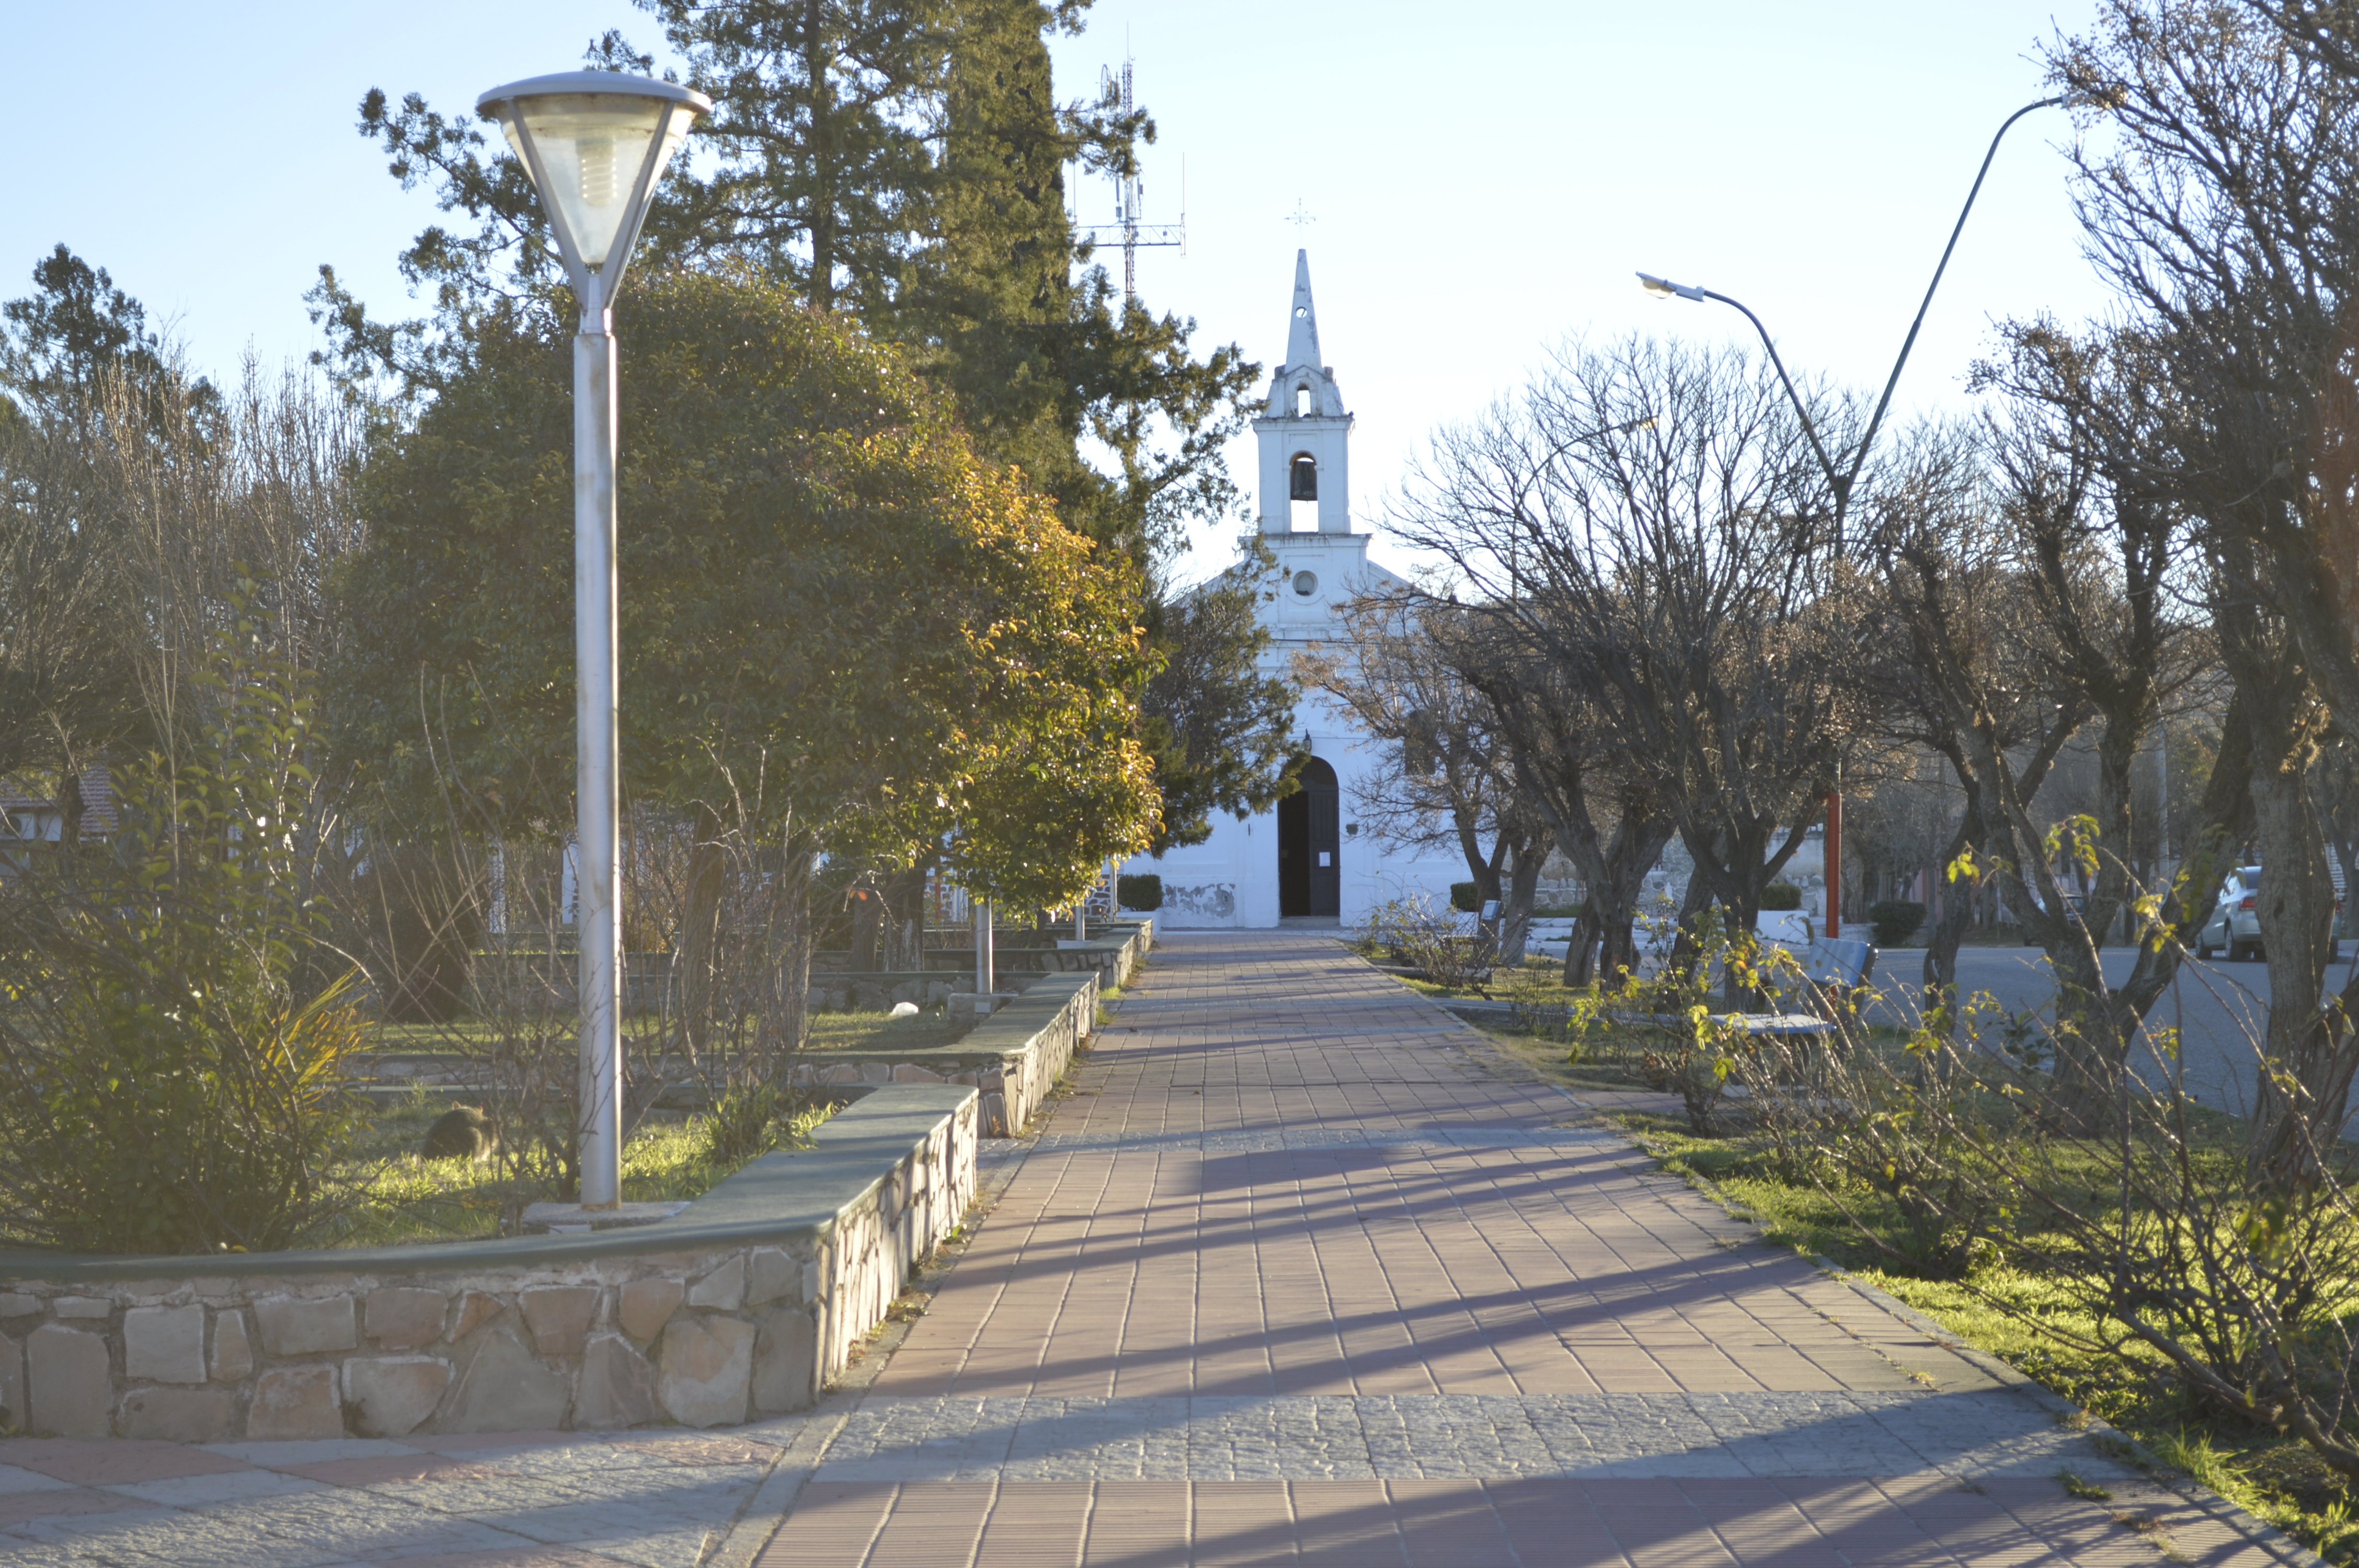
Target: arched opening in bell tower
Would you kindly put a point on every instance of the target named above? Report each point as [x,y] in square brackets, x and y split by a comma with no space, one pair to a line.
[1302,491]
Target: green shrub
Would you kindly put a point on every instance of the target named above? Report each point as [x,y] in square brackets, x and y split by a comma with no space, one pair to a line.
[1143,893]
[1895,920]
[1781,895]
[1466,897]
[168,1085]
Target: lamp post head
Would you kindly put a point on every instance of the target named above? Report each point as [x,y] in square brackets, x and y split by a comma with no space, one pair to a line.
[1663,288]
[594,142]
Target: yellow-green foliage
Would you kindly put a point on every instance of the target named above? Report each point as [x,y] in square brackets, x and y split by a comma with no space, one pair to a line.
[840,620]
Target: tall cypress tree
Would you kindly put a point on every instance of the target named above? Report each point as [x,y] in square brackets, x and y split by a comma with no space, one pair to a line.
[989,303]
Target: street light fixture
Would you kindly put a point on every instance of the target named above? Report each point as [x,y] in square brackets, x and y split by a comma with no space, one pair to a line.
[1841,483]
[595,142]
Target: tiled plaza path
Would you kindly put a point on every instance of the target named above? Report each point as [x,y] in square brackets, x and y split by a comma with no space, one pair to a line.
[1302,1274]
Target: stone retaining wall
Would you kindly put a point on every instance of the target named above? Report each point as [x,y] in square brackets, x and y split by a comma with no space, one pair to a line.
[741,1306]
[1012,1059]
[1015,1056]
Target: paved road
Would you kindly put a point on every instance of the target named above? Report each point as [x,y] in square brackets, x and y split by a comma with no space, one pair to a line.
[2218,1009]
[1303,1273]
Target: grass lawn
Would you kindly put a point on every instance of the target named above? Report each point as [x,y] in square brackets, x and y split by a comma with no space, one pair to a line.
[2277,1478]
[829,1032]
[413,1199]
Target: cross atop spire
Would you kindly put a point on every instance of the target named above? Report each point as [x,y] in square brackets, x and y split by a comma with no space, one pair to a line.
[1302,330]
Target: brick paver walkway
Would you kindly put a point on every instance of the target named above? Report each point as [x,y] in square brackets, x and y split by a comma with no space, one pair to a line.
[1301,1274]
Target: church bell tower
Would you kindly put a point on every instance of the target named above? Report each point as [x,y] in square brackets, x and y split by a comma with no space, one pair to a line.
[1305,432]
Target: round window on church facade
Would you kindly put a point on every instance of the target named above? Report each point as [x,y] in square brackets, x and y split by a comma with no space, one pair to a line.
[1306,584]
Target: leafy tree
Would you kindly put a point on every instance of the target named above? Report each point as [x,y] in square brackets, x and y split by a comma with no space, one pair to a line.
[839,631]
[823,116]
[58,341]
[902,159]
[1220,730]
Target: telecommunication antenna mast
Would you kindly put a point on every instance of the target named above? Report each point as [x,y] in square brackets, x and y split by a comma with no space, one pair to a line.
[1135,235]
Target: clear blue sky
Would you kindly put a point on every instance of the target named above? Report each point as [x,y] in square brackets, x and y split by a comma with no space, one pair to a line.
[1485,177]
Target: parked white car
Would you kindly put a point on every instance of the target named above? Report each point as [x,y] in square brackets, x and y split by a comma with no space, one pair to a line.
[2236,922]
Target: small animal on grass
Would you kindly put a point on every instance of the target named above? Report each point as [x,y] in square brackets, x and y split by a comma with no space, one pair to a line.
[463,1133]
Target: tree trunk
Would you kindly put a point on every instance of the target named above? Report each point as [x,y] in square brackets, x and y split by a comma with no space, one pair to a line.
[1515,912]
[697,959]
[2305,1085]
[786,1027]
[1685,948]
[868,928]
[1614,873]
[1937,1002]
[818,62]
[905,907]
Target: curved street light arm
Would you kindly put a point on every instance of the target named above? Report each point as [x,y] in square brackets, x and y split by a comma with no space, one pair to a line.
[1834,481]
[1859,459]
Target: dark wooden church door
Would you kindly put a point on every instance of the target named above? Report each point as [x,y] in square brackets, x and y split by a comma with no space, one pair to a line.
[1311,846]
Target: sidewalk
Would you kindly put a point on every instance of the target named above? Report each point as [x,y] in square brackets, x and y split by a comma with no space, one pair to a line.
[1302,1272]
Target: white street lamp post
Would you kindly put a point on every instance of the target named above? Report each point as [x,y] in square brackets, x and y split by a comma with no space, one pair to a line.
[595,142]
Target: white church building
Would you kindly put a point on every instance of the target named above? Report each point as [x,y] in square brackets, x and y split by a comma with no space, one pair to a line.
[1308,861]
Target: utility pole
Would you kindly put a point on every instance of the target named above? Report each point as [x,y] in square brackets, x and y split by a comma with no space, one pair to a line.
[1841,483]
[1135,235]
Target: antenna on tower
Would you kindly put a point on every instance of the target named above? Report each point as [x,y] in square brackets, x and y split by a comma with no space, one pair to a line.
[1128,187]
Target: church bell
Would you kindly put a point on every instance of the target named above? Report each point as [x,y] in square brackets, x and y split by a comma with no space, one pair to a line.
[1302,479]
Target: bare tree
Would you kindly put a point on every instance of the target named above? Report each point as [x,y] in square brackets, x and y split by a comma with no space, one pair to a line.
[2224,203]
[141,512]
[1601,814]
[1650,519]
[1444,775]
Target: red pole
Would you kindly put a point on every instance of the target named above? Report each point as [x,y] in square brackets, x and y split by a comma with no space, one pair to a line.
[1834,863]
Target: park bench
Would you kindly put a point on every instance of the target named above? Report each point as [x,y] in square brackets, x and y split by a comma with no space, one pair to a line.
[1832,968]
[1837,961]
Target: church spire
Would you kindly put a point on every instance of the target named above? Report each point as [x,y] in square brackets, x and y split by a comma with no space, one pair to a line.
[1305,429]
[1302,330]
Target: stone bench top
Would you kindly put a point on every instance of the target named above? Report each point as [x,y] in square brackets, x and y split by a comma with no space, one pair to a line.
[1780,1023]
[1751,1023]
[782,1195]
[1009,1032]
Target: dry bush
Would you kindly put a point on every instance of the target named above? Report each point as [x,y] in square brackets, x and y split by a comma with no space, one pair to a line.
[2177,1245]
[1416,933]
[173,1065]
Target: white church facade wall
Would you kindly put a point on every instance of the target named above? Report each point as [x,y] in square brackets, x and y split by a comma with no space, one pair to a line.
[1308,859]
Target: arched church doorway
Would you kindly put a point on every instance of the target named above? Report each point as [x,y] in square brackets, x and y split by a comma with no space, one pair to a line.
[1310,846]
